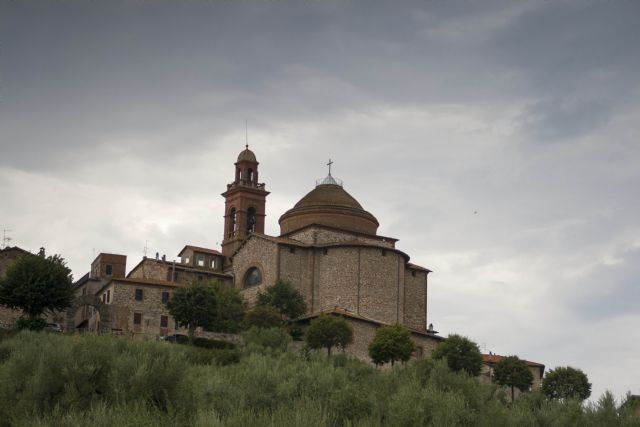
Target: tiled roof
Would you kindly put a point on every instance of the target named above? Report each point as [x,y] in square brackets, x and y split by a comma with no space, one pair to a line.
[200,249]
[495,358]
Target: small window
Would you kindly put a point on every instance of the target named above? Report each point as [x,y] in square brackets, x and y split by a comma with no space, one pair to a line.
[292,250]
[185,260]
[165,297]
[200,260]
[384,252]
[137,318]
[104,297]
[109,296]
[213,262]
[252,277]
[176,276]
[138,294]
[109,270]
[413,273]
[326,251]
[164,321]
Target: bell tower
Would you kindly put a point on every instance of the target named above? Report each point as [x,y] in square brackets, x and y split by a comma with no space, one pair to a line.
[244,207]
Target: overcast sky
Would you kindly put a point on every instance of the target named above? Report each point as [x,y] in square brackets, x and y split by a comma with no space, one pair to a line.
[499,141]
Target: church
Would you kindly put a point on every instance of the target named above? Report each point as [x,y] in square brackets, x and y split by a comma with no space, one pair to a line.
[328,248]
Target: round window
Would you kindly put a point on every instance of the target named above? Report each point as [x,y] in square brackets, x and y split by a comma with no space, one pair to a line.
[253,277]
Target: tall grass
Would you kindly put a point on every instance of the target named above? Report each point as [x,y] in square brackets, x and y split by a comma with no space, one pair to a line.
[54,380]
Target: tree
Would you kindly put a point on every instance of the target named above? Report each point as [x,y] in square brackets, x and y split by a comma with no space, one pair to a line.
[513,372]
[461,354]
[328,332]
[285,298]
[262,318]
[209,305]
[566,383]
[391,343]
[37,284]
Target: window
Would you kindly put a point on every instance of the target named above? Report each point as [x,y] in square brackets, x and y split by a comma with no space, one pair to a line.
[185,260]
[109,270]
[292,250]
[213,262]
[165,297]
[104,297]
[252,277]
[200,260]
[164,321]
[413,273]
[137,318]
[176,276]
[326,251]
[232,222]
[251,220]
[384,252]
[138,294]
[109,296]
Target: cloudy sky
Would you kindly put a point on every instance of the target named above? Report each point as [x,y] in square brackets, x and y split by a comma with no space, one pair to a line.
[499,141]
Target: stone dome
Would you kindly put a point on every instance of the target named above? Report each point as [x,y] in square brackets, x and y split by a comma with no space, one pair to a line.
[247,155]
[330,205]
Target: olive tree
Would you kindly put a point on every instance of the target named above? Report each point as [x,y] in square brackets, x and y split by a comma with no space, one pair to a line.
[513,372]
[566,383]
[327,332]
[461,354]
[35,285]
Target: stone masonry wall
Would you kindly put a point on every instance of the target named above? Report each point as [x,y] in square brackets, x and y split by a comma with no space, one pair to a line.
[415,309]
[363,333]
[296,268]
[336,280]
[257,252]
[317,235]
[381,285]
[124,305]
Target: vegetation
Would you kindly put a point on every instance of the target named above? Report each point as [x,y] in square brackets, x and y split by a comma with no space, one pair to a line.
[209,305]
[264,317]
[390,344]
[286,299]
[327,332]
[35,285]
[58,380]
[566,383]
[461,354]
[513,372]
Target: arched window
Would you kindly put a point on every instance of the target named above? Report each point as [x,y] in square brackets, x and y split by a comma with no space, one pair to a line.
[232,222]
[250,175]
[252,277]
[251,220]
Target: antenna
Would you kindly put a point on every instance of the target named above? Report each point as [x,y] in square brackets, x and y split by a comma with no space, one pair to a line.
[5,238]
[246,133]
[146,247]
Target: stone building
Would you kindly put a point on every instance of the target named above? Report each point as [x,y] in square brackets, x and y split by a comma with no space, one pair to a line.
[489,361]
[328,249]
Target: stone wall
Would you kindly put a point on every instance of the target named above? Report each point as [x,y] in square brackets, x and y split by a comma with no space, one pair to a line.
[381,285]
[336,278]
[364,332]
[317,235]
[256,252]
[123,306]
[415,299]
[296,267]
[154,269]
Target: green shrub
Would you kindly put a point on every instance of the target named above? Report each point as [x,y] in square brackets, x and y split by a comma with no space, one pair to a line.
[209,343]
[31,323]
[258,339]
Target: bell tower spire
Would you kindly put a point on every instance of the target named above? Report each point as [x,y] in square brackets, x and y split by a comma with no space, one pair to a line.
[244,205]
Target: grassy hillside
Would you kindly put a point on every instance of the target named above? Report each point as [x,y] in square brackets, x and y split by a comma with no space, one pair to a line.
[55,380]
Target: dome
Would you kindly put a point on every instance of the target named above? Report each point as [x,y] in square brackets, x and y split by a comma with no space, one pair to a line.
[330,205]
[247,155]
